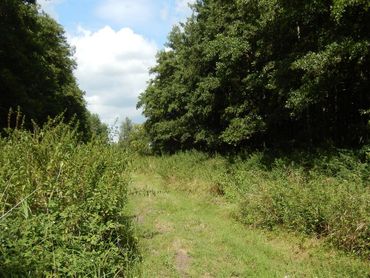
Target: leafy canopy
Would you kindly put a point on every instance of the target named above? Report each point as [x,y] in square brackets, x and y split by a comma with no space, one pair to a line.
[262,73]
[36,69]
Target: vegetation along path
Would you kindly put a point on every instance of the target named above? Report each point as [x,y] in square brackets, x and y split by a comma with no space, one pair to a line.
[183,234]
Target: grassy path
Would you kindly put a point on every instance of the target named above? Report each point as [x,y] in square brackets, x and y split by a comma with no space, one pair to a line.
[186,235]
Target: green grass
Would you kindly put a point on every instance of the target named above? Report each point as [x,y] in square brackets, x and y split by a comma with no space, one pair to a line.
[187,233]
[323,194]
[66,209]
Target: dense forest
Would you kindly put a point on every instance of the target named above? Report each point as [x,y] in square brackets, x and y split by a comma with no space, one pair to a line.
[263,73]
[36,69]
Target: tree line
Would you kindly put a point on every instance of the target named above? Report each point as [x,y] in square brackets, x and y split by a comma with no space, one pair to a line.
[36,70]
[263,73]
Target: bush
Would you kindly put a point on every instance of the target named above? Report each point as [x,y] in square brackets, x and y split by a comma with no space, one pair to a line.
[325,196]
[133,137]
[61,205]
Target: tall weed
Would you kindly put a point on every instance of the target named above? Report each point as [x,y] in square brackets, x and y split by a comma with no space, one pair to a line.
[61,205]
[191,171]
[323,194]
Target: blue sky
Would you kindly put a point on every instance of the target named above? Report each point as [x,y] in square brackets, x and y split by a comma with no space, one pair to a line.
[116,42]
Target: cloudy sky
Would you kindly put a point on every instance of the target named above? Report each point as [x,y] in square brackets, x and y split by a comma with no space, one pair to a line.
[116,42]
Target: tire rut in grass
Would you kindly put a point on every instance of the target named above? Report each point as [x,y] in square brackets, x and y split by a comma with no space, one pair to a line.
[182,258]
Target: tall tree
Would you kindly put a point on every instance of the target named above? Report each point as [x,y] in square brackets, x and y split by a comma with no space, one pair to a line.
[125,131]
[98,128]
[268,72]
[36,68]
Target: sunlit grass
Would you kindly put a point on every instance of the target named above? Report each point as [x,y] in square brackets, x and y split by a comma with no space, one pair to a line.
[183,233]
[324,195]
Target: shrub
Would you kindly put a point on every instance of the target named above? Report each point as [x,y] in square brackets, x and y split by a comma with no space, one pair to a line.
[133,137]
[61,205]
[325,196]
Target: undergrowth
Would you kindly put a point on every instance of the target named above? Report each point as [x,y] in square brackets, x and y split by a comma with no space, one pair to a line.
[326,195]
[62,206]
[188,171]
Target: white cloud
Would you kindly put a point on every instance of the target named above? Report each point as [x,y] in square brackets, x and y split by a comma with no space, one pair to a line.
[113,70]
[125,11]
[182,6]
[146,14]
[48,6]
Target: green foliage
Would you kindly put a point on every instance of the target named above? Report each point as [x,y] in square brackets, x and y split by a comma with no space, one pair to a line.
[36,70]
[340,6]
[262,73]
[325,195]
[134,137]
[61,205]
[125,131]
[98,129]
[202,227]
[328,198]
[189,171]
